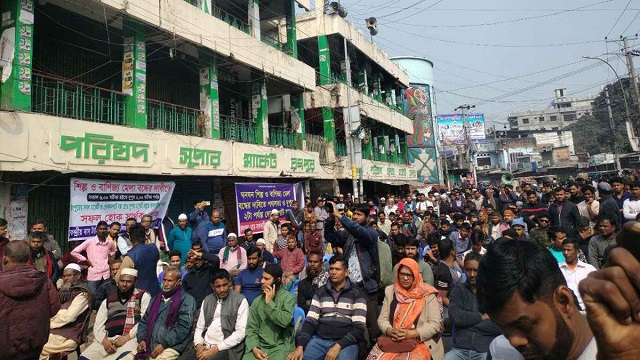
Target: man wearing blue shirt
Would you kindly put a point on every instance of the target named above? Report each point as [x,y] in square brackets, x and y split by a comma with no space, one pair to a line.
[247,283]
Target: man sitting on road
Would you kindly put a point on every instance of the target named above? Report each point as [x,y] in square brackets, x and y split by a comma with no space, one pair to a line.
[336,321]
[117,320]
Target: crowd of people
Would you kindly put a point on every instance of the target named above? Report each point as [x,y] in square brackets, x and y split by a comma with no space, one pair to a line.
[537,271]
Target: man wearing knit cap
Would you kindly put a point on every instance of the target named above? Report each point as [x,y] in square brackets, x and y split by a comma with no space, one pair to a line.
[233,258]
[117,320]
[269,332]
[180,238]
[67,326]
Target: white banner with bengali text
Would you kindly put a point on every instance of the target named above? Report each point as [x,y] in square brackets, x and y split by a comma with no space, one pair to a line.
[94,200]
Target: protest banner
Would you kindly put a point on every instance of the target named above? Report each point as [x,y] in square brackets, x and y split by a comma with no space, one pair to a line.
[256,200]
[94,200]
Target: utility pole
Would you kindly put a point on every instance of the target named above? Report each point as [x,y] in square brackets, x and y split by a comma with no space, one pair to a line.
[632,72]
[352,139]
[467,138]
[613,129]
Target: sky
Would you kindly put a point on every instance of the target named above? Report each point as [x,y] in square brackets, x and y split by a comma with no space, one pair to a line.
[506,56]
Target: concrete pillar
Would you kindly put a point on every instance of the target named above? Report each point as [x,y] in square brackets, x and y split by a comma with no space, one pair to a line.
[259,107]
[254,18]
[378,87]
[205,5]
[363,86]
[297,102]
[328,124]
[209,101]
[134,75]
[324,60]
[15,81]
[292,37]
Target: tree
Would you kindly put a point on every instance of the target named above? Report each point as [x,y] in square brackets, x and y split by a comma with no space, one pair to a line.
[593,133]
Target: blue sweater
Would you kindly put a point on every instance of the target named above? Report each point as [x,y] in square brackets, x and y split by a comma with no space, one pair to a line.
[216,238]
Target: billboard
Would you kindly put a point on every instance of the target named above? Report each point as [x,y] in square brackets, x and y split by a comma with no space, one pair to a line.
[451,129]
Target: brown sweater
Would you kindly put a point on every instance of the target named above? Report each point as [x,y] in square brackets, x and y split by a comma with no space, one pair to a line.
[28,299]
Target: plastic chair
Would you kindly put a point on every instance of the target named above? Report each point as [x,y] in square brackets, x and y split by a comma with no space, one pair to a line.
[275,260]
[327,257]
[298,319]
[293,288]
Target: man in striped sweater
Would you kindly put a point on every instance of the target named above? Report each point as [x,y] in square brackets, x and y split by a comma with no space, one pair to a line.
[337,318]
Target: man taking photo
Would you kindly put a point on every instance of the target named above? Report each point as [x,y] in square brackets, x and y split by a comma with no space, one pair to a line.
[360,247]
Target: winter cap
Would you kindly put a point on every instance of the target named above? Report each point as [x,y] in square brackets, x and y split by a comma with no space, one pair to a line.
[604,186]
[518,222]
[274,270]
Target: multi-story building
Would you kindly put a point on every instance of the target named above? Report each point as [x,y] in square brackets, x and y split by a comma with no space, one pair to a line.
[562,112]
[180,90]
[360,92]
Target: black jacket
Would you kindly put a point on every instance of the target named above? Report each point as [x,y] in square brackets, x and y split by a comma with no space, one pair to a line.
[565,220]
[609,208]
[471,332]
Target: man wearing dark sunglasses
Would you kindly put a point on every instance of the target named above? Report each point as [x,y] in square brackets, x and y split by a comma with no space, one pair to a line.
[540,234]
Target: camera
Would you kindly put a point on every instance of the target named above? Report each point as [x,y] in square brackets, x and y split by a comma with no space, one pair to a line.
[328,207]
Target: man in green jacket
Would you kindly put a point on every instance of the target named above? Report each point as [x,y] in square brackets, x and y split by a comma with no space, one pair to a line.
[269,331]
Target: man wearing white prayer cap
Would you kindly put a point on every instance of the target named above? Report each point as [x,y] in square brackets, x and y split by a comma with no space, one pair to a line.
[180,238]
[67,326]
[117,320]
[233,257]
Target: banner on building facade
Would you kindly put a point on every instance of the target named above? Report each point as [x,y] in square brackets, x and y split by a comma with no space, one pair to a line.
[94,200]
[256,200]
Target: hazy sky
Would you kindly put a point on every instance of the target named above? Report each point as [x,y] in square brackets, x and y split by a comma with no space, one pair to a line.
[479,47]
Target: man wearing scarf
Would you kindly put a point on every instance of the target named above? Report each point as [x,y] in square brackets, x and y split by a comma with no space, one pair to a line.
[68,325]
[233,258]
[117,320]
[165,330]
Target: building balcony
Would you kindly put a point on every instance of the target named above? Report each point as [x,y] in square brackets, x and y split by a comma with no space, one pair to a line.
[171,117]
[236,129]
[285,137]
[71,99]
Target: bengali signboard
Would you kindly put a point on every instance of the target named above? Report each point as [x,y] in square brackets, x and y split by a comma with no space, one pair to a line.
[451,128]
[256,200]
[93,201]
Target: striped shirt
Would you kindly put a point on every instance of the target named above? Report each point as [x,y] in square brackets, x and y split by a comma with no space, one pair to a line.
[336,315]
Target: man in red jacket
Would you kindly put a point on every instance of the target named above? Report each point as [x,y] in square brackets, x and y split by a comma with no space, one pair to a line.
[25,293]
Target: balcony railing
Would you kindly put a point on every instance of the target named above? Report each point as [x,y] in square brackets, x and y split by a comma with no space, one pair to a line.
[236,129]
[67,98]
[226,17]
[285,137]
[171,117]
[317,143]
[340,147]
[271,42]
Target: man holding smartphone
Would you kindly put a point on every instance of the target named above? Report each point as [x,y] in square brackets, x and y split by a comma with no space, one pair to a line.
[360,248]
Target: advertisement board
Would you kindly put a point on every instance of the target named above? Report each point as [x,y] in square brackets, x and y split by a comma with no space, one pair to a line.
[451,128]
